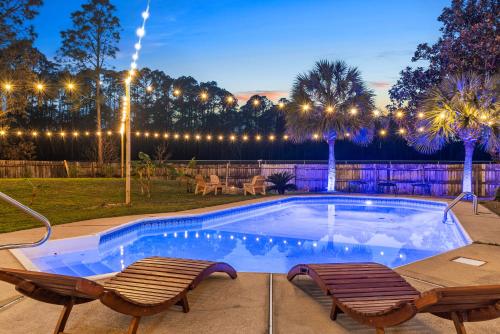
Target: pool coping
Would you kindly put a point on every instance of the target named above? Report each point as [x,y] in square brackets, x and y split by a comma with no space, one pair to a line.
[208,212]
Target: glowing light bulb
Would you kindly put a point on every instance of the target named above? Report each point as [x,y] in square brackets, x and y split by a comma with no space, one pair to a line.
[221,138]
[63,134]
[19,133]
[156,135]
[442,115]
[141,32]
[399,114]
[305,107]
[421,129]
[137,46]
[75,134]
[209,137]
[315,136]
[420,115]
[176,136]
[383,132]
[137,134]
[402,131]
[204,96]
[98,133]
[149,89]
[230,99]
[232,137]
[145,15]
[109,133]
[165,135]
[245,138]
[197,137]
[186,136]
[281,105]
[40,87]
[133,65]
[329,109]
[135,56]
[285,137]
[177,92]
[353,111]
[347,134]
[7,86]
[258,137]
[376,113]
[272,137]
[146,134]
[34,134]
[255,102]
[70,86]
[49,134]
[87,133]
[3,133]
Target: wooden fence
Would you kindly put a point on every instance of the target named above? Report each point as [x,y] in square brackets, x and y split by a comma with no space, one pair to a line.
[444,179]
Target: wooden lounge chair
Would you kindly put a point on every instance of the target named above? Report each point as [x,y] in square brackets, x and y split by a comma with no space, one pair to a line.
[217,184]
[257,186]
[377,296]
[146,287]
[202,186]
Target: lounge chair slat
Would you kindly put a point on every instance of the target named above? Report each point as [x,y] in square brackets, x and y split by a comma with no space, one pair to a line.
[146,287]
[379,297]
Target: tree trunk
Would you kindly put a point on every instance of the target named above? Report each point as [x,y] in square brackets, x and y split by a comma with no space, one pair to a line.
[99,125]
[467,178]
[331,163]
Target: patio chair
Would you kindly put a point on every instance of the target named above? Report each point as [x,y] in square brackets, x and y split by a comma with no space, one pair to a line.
[202,186]
[377,296]
[257,186]
[147,287]
[217,184]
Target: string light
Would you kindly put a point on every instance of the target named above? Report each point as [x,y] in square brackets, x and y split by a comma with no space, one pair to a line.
[149,89]
[329,109]
[7,87]
[70,86]
[39,87]
[376,112]
[420,115]
[256,102]
[187,136]
[353,111]
[399,114]
[281,105]
[305,107]
[177,92]
[230,99]
[204,96]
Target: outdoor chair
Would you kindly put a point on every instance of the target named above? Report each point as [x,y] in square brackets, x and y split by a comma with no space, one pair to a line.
[147,287]
[257,186]
[377,296]
[202,186]
[217,184]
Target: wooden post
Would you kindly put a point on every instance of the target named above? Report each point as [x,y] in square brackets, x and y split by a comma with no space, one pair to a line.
[66,167]
[128,138]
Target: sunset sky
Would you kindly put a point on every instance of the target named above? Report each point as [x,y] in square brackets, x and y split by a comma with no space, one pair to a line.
[259,46]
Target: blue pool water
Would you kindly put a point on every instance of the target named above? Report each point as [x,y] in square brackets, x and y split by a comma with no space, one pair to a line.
[269,237]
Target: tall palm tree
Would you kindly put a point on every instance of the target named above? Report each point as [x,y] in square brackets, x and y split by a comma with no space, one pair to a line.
[461,108]
[331,102]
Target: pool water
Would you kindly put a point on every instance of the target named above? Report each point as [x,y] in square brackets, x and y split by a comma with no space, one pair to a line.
[269,237]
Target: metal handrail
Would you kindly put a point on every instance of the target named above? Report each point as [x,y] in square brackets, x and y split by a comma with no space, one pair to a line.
[458,199]
[33,214]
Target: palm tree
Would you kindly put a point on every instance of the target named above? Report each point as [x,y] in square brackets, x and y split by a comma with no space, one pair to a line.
[331,102]
[461,108]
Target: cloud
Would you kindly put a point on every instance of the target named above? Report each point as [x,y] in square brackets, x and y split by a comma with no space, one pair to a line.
[379,84]
[273,95]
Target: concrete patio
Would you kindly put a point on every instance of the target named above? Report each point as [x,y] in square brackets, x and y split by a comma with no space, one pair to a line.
[222,305]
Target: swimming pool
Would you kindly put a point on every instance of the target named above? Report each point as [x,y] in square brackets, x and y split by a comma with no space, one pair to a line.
[271,236]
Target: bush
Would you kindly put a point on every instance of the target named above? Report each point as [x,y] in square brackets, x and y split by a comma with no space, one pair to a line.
[280,182]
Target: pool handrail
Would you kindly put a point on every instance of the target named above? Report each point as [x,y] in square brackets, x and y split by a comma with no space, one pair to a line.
[33,214]
[458,199]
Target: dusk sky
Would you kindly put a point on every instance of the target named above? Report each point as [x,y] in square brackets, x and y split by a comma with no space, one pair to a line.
[260,46]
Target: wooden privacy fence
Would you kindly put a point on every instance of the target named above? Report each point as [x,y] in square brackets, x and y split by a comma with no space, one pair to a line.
[444,179]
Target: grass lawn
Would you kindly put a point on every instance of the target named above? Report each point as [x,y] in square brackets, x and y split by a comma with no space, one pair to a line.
[69,200]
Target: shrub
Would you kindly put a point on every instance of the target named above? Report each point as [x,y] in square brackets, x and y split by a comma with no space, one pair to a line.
[281,183]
